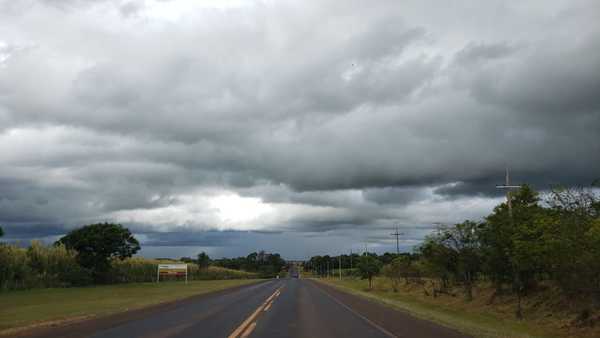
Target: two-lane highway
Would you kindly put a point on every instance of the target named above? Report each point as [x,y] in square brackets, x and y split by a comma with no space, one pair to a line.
[277,308]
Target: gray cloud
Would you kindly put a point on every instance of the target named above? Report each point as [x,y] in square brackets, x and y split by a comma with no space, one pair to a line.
[337,116]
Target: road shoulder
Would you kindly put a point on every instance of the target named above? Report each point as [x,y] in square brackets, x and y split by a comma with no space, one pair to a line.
[399,323]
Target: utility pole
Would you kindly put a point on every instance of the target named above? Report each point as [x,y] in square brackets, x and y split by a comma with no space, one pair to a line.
[327,268]
[340,266]
[397,234]
[350,259]
[508,188]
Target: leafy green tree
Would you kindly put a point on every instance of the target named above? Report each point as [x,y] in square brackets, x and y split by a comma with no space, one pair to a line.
[368,267]
[463,242]
[98,244]
[437,260]
[276,262]
[513,246]
[571,240]
[203,260]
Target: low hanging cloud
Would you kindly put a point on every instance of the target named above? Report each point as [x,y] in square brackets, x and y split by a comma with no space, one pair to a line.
[190,122]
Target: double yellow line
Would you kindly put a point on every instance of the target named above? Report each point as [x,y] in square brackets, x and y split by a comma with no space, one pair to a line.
[249,324]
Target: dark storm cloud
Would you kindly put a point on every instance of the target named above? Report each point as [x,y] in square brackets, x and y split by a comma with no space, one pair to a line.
[339,115]
[545,81]
[392,195]
[180,238]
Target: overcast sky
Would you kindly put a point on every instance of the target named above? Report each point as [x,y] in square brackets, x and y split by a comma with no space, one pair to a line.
[301,127]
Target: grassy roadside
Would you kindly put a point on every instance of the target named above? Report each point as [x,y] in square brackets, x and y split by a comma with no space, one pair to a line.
[38,306]
[472,321]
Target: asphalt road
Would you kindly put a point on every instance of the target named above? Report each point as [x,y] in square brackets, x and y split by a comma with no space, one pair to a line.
[277,308]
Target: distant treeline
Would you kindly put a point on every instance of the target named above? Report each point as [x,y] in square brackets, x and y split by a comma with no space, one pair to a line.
[41,266]
[265,264]
[551,238]
[102,254]
[320,264]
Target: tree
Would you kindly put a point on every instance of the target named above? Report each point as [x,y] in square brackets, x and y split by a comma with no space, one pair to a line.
[438,260]
[368,267]
[513,246]
[276,262]
[98,244]
[203,260]
[571,239]
[462,240]
[387,258]
[1,232]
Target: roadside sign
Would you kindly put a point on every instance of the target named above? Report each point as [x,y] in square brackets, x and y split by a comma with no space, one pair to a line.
[172,270]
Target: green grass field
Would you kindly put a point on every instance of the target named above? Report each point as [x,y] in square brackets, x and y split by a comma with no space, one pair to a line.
[471,318]
[25,308]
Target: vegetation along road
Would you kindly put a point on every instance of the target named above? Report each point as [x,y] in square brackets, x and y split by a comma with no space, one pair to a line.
[277,308]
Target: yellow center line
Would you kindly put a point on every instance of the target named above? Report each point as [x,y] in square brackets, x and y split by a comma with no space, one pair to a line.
[249,321]
[268,306]
[249,330]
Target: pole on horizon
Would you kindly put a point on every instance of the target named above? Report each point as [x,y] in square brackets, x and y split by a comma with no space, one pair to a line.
[340,266]
[397,234]
[350,260]
[508,188]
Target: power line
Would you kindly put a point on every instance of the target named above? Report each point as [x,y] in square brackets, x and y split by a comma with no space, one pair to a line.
[397,234]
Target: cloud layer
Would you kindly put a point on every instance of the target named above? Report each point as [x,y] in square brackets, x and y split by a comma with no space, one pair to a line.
[288,118]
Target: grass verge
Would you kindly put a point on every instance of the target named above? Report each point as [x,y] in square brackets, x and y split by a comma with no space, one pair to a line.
[473,321]
[19,309]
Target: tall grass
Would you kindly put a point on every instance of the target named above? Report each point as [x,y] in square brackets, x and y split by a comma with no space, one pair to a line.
[41,266]
[138,269]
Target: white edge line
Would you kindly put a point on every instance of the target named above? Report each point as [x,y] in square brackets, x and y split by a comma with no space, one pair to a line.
[370,322]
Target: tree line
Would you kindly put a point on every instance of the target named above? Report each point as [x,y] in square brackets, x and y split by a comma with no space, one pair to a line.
[101,254]
[320,264]
[550,238]
[83,256]
[555,237]
[265,264]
